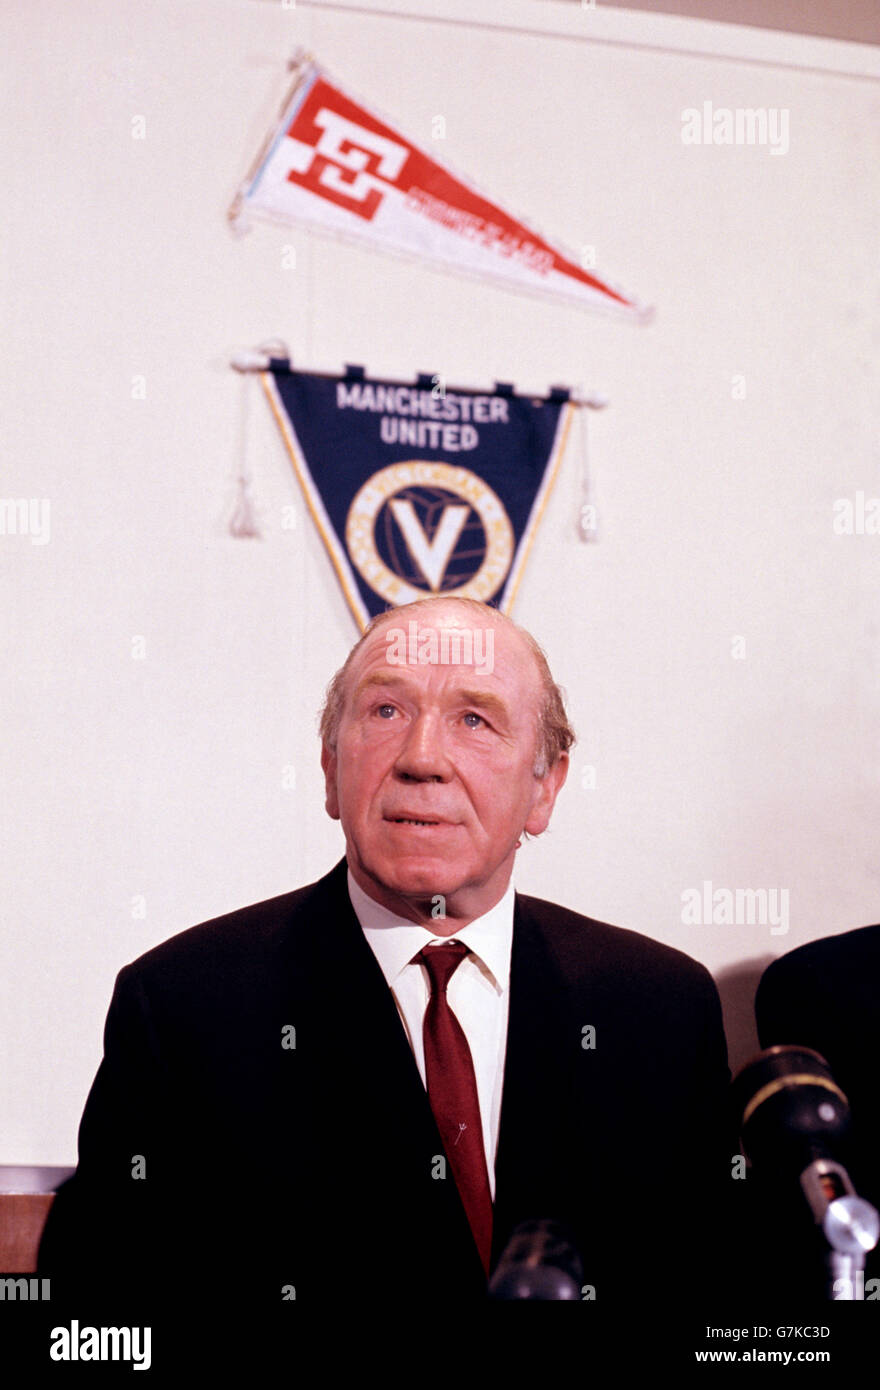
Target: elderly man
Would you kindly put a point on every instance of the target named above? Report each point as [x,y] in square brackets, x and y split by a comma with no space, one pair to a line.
[359,1089]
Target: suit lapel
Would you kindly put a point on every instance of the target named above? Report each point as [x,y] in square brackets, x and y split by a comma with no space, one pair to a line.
[350,1012]
[365,1091]
[538,1125]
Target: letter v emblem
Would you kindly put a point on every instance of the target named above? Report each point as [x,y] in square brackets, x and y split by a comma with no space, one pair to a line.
[431,557]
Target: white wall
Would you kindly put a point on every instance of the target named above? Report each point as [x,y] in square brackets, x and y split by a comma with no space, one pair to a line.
[161,778]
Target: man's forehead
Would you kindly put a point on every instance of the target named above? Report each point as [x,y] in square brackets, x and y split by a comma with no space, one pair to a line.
[507,687]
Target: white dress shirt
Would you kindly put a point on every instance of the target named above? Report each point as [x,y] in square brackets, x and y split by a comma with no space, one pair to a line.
[478,992]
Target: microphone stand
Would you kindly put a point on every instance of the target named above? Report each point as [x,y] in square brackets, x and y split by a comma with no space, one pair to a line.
[851,1227]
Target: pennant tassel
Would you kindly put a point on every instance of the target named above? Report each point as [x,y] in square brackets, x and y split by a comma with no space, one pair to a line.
[243,523]
[248,362]
[588,517]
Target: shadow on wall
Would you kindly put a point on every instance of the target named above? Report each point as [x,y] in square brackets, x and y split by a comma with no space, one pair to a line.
[737,986]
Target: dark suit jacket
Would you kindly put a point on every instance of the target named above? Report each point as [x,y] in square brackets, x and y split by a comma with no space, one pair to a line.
[826,995]
[267,1167]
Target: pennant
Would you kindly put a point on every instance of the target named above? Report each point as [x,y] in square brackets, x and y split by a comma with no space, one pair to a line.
[418,490]
[332,164]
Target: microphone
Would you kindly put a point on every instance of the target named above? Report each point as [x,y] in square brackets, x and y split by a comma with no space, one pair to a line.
[794,1118]
[540,1261]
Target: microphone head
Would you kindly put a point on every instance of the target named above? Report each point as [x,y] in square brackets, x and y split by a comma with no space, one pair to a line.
[540,1261]
[791,1108]
[851,1225]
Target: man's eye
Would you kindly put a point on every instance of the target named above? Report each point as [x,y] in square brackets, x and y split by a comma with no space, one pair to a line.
[476,718]
[386,711]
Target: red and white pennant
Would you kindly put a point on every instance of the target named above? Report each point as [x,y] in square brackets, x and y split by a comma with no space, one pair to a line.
[332,164]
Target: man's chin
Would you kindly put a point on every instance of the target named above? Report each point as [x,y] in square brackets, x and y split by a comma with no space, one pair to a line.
[413,879]
[423,880]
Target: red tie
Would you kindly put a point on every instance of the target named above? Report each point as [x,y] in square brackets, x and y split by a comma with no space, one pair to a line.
[452,1092]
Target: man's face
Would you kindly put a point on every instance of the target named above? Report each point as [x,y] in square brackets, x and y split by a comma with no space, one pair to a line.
[432,776]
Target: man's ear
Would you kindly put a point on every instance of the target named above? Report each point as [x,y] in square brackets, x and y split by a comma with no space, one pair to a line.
[548,788]
[328,763]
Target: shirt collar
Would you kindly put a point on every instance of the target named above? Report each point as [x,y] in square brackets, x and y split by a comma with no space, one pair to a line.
[394,940]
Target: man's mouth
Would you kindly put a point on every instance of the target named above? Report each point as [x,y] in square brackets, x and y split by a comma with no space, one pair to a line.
[413,820]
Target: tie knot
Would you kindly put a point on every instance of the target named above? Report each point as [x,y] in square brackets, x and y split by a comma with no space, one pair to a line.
[441,963]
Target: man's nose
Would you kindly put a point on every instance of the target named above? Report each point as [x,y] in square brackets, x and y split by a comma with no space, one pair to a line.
[423,754]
